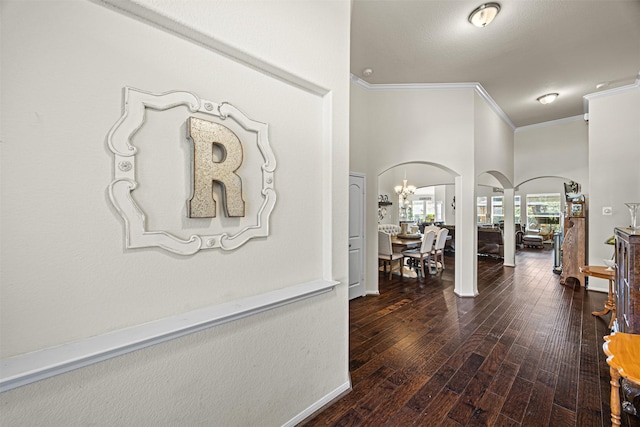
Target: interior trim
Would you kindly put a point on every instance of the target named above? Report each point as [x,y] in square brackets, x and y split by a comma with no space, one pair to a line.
[143,14]
[318,406]
[550,123]
[41,364]
[422,86]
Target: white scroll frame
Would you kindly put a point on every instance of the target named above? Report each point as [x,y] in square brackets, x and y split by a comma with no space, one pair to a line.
[119,141]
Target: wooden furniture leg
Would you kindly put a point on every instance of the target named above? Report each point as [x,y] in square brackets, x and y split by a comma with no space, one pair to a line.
[609,306]
[615,396]
[602,272]
[622,351]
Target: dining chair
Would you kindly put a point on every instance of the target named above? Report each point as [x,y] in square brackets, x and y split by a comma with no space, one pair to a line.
[438,248]
[386,254]
[433,228]
[422,255]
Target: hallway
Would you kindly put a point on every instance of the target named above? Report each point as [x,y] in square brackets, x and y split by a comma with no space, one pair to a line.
[525,352]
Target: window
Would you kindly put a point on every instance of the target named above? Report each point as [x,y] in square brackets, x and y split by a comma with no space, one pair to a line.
[423,209]
[439,211]
[418,210]
[543,213]
[497,211]
[481,212]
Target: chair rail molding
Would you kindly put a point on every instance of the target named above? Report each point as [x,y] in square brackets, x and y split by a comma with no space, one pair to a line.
[38,365]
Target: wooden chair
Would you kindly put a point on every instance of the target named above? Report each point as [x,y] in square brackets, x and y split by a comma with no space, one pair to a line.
[386,254]
[422,255]
[438,249]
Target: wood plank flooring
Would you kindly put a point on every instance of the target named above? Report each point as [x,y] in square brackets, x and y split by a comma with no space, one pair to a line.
[525,352]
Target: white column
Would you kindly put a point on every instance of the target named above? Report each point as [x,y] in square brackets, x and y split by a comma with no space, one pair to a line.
[466,281]
[509,232]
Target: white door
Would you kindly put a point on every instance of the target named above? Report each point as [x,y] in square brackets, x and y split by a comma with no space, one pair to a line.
[356,235]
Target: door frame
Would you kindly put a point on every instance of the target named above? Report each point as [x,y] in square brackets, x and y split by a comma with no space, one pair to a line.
[363,219]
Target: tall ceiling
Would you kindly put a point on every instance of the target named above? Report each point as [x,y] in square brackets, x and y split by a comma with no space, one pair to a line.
[533,47]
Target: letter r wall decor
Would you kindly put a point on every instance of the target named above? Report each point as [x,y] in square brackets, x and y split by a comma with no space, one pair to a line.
[229,200]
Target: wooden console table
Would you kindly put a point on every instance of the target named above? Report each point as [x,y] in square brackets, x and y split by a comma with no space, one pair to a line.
[622,351]
[602,273]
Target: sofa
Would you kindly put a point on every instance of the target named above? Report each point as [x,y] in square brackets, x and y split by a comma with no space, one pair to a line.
[392,229]
[490,242]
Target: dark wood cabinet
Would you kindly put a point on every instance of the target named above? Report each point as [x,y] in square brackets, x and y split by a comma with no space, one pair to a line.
[627,286]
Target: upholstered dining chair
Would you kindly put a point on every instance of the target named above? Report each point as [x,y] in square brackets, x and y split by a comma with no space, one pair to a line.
[438,248]
[433,228]
[386,254]
[422,255]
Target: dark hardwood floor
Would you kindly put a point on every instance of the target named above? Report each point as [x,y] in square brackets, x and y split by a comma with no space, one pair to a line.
[525,352]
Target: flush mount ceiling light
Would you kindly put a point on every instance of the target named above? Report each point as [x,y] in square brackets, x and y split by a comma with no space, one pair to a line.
[484,14]
[367,72]
[547,99]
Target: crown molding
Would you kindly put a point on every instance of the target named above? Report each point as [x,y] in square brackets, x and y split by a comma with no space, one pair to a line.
[429,86]
[613,91]
[550,123]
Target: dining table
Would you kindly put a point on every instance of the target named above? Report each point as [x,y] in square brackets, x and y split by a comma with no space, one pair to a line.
[401,244]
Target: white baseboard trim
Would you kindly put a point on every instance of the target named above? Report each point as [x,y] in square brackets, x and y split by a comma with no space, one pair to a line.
[27,368]
[320,404]
[376,293]
[470,295]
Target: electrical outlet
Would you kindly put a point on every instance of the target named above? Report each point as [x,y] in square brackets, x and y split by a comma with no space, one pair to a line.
[608,210]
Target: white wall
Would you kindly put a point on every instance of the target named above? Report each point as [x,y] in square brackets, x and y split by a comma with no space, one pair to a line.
[359,132]
[417,174]
[493,141]
[435,126]
[557,148]
[65,274]
[403,127]
[614,167]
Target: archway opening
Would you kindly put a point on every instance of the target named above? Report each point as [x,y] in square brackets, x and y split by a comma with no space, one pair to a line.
[416,193]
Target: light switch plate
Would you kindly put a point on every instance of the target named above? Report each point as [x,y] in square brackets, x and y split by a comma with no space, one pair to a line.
[608,210]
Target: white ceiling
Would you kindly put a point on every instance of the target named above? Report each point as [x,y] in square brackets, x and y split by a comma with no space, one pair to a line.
[533,47]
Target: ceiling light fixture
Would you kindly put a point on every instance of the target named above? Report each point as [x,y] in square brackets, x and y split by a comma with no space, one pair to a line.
[367,72]
[484,14]
[547,99]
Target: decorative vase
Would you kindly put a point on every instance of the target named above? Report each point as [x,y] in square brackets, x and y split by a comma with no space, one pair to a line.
[633,210]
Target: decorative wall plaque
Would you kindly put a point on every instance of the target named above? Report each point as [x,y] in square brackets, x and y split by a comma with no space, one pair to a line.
[206,170]
[136,102]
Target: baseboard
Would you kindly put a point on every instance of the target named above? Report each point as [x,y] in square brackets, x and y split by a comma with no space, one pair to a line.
[318,406]
[376,293]
[471,295]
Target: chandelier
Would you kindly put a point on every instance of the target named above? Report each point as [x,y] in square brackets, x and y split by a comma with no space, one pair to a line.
[404,190]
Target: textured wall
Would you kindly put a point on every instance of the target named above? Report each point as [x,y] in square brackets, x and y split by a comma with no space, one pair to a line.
[65,274]
[435,126]
[553,149]
[614,175]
